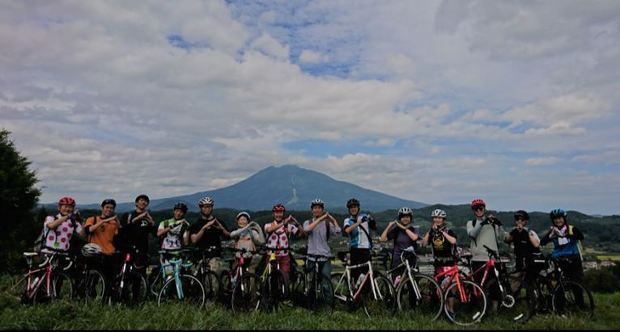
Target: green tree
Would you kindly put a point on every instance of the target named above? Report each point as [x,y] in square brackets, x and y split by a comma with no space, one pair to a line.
[18,197]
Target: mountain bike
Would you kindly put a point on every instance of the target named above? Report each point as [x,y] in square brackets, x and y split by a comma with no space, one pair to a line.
[181,286]
[415,292]
[373,292]
[274,289]
[310,288]
[89,283]
[202,271]
[129,286]
[240,286]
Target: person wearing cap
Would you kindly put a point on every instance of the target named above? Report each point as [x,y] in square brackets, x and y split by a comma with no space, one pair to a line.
[134,230]
[526,246]
[101,231]
[248,235]
[358,226]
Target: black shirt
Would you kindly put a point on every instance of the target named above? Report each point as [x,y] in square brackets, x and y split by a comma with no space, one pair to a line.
[211,237]
[523,247]
[135,233]
[443,251]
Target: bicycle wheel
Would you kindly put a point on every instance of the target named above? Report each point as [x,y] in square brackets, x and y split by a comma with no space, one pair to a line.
[246,294]
[155,282]
[298,289]
[130,289]
[342,294]
[18,290]
[92,286]
[188,289]
[212,286]
[525,303]
[572,299]
[321,297]
[225,289]
[468,311]
[274,292]
[429,301]
[382,301]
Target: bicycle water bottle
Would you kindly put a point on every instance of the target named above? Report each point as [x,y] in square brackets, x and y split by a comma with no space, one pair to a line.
[168,268]
[359,279]
[34,282]
[397,281]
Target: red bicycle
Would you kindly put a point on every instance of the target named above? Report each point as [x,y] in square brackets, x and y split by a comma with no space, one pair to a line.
[43,283]
[464,301]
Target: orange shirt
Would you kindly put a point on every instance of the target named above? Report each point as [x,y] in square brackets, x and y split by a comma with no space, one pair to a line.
[103,235]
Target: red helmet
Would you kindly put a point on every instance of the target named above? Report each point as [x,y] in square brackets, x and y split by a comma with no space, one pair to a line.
[66,201]
[278,208]
[478,202]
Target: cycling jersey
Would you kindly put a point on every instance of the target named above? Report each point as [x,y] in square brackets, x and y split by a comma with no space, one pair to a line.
[279,239]
[359,239]
[59,238]
[174,238]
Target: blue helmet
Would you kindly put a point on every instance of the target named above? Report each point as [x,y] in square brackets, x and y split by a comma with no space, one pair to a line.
[557,213]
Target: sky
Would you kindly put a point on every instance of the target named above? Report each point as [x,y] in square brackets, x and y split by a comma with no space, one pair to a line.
[515,102]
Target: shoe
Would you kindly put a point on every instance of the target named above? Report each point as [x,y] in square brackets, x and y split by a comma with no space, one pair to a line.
[451,315]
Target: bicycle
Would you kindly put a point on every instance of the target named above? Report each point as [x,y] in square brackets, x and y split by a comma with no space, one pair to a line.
[501,282]
[210,279]
[274,289]
[129,286]
[180,287]
[374,293]
[470,304]
[415,292]
[310,288]
[43,283]
[88,283]
[553,292]
[239,286]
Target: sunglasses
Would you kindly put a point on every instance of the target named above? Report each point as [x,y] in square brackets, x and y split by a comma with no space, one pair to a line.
[480,207]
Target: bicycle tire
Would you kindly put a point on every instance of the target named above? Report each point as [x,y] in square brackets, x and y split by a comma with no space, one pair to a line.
[430,302]
[342,295]
[321,296]
[566,297]
[469,312]
[191,288]
[246,294]
[130,289]
[61,289]
[383,301]
[298,289]
[274,291]
[92,287]
[155,282]
[212,286]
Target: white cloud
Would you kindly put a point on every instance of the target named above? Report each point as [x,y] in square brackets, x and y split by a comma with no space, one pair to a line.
[309,56]
[542,161]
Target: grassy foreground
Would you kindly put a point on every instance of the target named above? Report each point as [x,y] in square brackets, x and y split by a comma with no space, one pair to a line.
[74,315]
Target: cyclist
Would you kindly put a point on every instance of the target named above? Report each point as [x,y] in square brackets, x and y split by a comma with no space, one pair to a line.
[101,231]
[526,245]
[443,246]
[566,245]
[319,229]
[484,231]
[248,237]
[58,230]
[134,231]
[174,234]
[278,232]
[358,226]
[208,232]
[404,236]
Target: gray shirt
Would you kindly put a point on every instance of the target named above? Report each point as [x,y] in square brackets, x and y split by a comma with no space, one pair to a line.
[483,235]
[317,238]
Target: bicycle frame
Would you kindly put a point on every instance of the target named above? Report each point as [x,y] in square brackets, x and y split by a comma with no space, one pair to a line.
[47,268]
[408,269]
[454,274]
[358,292]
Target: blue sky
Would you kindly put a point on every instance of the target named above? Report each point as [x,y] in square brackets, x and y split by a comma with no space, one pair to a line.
[434,101]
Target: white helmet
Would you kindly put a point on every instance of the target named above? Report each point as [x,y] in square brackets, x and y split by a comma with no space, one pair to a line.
[205,201]
[438,213]
[91,250]
[317,201]
[405,211]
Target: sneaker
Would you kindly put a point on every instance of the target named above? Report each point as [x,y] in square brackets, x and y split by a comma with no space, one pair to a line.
[451,315]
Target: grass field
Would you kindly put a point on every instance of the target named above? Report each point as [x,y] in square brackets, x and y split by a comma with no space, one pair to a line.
[76,315]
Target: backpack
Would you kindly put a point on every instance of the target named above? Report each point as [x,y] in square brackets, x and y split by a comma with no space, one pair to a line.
[40,240]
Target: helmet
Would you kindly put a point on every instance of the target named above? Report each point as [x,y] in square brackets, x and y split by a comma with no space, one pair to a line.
[557,213]
[108,201]
[181,206]
[243,213]
[66,201]
[405,211]
[439,213]
[353,202]
[91,250]
[205,201]
[278,208]
[522,214]
[144,197]
[317,201]
[478,202]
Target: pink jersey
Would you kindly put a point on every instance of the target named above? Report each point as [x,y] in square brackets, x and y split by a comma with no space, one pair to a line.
[59,238]
[279,238]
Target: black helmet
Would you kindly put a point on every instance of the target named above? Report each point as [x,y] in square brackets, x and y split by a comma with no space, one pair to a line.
[181,206]
[108,201]
[353,202]
[521,214]
[144,197]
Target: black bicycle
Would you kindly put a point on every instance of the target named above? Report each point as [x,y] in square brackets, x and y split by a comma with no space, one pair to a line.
[310,289]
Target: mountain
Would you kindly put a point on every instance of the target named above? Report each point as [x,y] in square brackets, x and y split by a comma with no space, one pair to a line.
[293,186]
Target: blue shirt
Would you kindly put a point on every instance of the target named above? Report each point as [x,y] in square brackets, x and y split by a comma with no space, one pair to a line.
[358,238]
